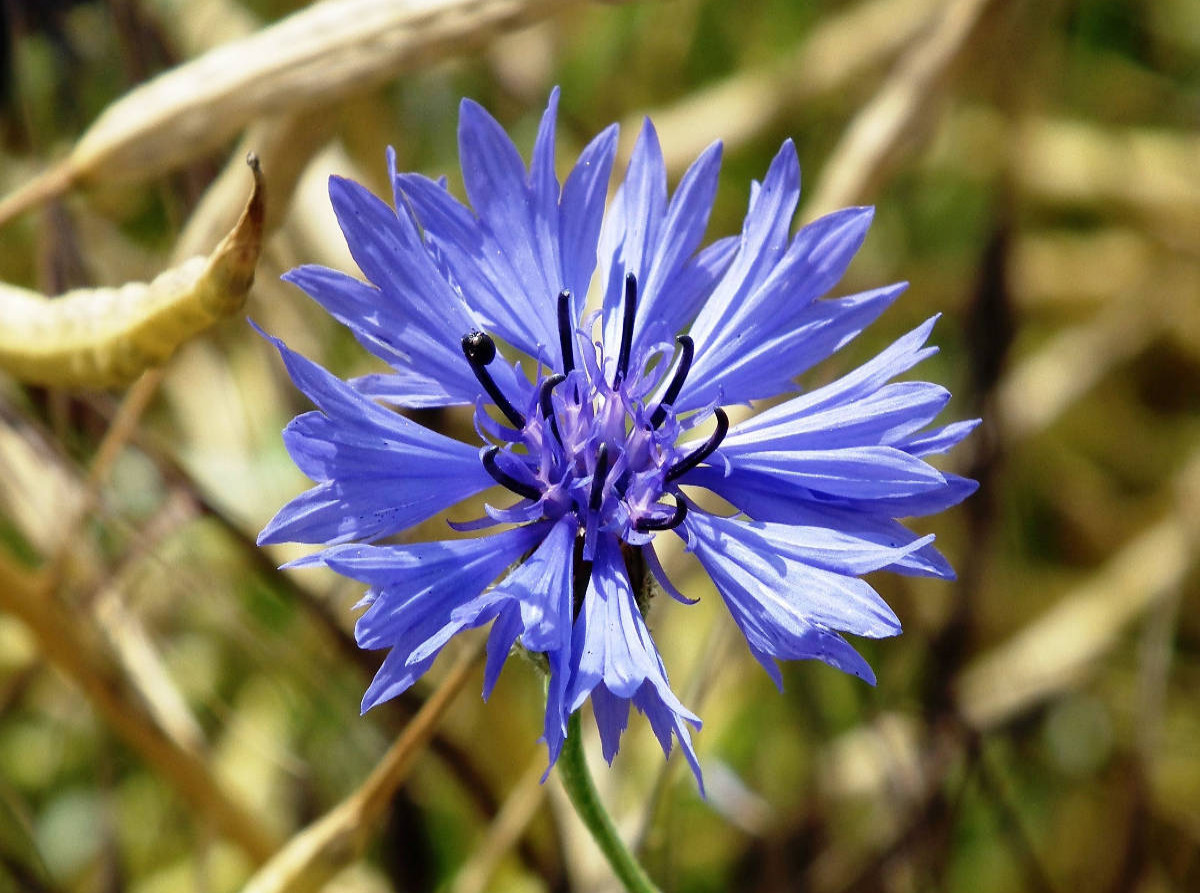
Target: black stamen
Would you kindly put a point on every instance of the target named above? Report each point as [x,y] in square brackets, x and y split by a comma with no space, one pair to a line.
[598,477]
[480,350]
[630,312]
[691,460]
[566,338]
[582,572]
[504,479]
[548,386]
[645,525]
[688,348]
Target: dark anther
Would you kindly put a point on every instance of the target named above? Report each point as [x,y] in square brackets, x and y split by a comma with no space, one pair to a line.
[506,480]
[566,337]
[645,525]
[629,313]
[598,478]
[694,458]
[688,348]
[480,350]
[548,386]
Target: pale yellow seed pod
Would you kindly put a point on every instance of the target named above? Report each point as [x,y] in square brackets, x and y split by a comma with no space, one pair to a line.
[106,337]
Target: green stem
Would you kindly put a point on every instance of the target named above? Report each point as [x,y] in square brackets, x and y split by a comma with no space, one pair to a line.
[572,769]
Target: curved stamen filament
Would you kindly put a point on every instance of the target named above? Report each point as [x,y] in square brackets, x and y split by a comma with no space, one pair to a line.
[688,350]
[547,405]
[694,458]
[628,315]
[645,525]
[504,479]
[480,350]
[566,337]
[598,478]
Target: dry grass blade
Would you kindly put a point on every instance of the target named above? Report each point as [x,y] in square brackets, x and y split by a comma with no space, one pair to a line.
[1042,386]
[741,107]
[524,803]
[1052,652]
[339,837]
[870,141]
[312,58]
[284,146]
[1153,171]
[107,337]
[61,641]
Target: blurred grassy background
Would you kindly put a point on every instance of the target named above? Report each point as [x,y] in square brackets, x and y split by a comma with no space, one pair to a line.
[1036,168]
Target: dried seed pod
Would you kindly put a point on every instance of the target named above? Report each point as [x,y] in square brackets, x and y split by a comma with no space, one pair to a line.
[310,59]
[106,337]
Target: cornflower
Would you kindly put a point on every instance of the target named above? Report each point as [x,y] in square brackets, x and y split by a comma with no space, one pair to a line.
[602,438]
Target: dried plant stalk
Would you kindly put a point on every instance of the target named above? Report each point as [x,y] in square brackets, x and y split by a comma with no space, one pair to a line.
[106,337]
[64,643]
[309,59]
[869,143]
[838,50]
[284,145]
[335,840]
[1054,653]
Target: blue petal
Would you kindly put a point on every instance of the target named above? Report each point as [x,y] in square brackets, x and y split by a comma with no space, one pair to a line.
[665,722]
[658,243]
[901,356]
[388,249]
[612,719]
[536,601]
[786,610]
[633,226]
[764,239]
[806,572]
[411,389]
[582,213]
[933,443]
[761,246]
[781,287]
[394,678]
[543,195]
[500,641]
[426,583]
[677,283]
[476,265]
[378,472]
[678,299]
[760,497]
[930,502]
[416,589]
[430,372]
[510,215]
[542,585]
[362,509]
[861,472]
[886,416]
[616,661]
[772,350]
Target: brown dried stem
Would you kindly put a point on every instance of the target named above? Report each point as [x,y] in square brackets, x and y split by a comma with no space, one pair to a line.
[63,643]
[334,841]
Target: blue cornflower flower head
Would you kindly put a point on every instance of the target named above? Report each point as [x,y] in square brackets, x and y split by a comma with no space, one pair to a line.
[604,437]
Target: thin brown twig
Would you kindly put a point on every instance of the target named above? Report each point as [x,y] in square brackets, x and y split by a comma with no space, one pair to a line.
[334,841]
[119,432]
[23,593]
[870,141]
[520,808]
[838,50]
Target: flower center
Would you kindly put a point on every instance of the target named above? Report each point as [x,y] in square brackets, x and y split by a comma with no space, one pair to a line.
[591,447]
